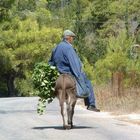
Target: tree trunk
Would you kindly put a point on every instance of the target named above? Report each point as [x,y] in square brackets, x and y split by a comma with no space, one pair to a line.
[10,85]
[117,83]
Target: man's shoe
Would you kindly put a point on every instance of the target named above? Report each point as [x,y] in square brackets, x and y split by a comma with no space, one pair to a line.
[93,108]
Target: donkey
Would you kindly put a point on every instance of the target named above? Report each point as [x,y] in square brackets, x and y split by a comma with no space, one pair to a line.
[65,90]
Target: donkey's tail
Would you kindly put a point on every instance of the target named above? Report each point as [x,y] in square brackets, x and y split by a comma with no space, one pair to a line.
[64,95]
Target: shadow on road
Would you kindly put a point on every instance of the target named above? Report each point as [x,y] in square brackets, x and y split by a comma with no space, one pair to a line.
[61,128]
[120,124]
[16,111]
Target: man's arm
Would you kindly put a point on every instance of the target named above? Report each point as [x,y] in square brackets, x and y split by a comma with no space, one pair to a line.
[51,61]
[74,62]
[76,67]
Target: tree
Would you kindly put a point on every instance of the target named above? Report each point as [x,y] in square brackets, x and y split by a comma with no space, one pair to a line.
[24,46]
[5,6]
[115,62]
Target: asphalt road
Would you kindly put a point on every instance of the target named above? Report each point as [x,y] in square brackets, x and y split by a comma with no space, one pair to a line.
[19,121]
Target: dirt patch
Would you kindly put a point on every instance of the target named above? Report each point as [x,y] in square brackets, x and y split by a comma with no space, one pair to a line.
[131,118]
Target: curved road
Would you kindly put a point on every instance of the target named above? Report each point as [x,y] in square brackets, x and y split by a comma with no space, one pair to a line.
[19,121]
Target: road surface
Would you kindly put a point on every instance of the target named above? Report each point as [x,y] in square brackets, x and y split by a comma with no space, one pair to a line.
[19,121]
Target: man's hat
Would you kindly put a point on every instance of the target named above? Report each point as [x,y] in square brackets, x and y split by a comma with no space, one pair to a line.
[68,33]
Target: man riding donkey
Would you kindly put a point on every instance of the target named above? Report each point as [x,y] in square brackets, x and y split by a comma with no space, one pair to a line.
[65,58]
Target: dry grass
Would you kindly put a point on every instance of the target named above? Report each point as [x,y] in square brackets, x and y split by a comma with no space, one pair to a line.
[129,102]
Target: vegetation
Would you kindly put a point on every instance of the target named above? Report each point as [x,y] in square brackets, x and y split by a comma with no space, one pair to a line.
[108,40]
[44,77]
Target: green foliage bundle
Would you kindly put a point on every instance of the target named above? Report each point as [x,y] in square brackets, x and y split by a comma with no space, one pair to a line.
[44,77]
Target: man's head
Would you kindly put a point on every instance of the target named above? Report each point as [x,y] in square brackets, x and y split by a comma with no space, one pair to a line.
[68,35]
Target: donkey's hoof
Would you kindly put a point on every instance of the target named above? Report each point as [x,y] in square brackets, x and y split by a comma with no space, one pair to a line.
[67,127]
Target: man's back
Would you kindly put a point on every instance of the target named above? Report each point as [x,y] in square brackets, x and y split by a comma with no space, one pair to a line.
[61,57]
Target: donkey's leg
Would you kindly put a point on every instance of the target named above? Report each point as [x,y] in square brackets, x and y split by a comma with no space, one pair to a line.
[61,102]
[62,113]
[69,126]
[73,103]
[71,113]
[70,108]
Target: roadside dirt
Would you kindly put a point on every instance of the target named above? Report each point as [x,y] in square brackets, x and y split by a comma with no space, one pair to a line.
[131,118]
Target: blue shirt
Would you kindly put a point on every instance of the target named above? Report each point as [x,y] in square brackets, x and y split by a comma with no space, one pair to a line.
[65,59]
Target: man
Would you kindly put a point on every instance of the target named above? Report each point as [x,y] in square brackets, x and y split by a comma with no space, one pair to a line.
[66,60]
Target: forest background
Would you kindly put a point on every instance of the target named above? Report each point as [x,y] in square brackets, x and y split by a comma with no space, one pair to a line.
[107,41]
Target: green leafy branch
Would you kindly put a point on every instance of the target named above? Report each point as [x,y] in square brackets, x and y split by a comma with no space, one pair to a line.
[44,77]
